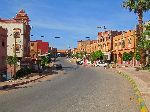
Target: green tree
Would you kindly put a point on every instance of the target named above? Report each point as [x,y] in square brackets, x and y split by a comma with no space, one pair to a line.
[97,55]
[12,61]
[144,43]
[44,60]
[138,7]
[137,56]
[79,55]
[125,56]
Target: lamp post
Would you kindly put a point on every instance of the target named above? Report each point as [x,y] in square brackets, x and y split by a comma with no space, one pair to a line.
[135,35]
[101,27]
[88,38]
[15,36]
[57,37]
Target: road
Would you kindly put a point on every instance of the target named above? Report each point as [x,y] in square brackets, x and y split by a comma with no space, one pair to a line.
[83,89]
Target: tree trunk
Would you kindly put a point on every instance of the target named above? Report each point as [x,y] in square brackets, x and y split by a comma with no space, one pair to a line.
[140,21]
[139,36]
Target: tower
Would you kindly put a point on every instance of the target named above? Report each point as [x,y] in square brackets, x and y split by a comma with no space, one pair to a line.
[21,16]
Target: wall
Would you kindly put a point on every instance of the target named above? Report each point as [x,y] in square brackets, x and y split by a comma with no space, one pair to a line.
[3,51]
[11,40]
[126,42]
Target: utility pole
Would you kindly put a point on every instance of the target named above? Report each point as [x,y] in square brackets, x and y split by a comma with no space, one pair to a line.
[15,35]
[135,45]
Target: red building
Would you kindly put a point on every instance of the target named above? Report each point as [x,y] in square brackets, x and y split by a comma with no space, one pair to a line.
[38,48]
[3,52]
[43,46]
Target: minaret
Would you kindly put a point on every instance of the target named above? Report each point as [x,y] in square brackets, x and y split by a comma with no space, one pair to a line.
[21,16]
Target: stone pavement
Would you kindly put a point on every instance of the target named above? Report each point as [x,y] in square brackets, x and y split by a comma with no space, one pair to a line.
[142,79]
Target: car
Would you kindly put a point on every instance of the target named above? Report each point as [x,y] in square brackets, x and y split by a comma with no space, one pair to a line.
[57,66]
[101,64]
[89,62]
[79,62]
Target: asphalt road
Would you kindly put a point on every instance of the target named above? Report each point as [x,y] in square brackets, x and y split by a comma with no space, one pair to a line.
[80,89]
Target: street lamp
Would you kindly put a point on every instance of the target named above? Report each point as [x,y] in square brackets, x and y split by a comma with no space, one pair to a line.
[15,36]
[57,37]
[101,27]
[88,38]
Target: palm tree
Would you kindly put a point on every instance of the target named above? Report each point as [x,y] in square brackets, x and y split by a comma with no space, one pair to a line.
[12,61]
[138,7]
[44,61]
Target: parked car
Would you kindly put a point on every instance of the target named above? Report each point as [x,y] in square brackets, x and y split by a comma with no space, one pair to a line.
[89,62]
[57,66]
[101,64]
[79,62]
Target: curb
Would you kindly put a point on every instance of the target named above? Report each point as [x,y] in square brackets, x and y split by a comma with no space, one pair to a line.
[20,83]
[143,107]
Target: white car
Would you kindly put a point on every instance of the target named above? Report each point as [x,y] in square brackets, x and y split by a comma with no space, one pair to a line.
[101,64]
[89,62]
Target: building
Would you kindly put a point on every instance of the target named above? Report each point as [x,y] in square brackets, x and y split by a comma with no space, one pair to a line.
[105,42]
[3,52]
[38,48]
[43,47]
[18,34]
[87,46]
[125,42]
[74,50]
[92,46]
[33,50]
[62,52]
[82,45]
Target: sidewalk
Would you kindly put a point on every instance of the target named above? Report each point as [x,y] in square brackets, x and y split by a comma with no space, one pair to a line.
[142,79]
[22,81]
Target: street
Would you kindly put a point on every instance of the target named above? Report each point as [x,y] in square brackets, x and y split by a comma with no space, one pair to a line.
[79,89]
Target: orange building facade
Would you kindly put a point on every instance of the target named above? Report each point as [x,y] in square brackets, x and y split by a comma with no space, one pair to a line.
[105,42]
[125,42]
[82,45]
[87,46]
[74,50]
[113,44]
[38,48]
[33,49]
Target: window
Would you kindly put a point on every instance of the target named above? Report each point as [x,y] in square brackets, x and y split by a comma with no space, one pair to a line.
[3,43]
[32,44]
[16,34]
[119,43]
[17,48]
[123,44]
[129,41]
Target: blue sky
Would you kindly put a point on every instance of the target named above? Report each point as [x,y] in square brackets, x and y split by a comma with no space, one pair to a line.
[72,20]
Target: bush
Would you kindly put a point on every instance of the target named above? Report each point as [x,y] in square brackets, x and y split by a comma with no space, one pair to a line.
[23,72]
[137,56]
[147,67]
